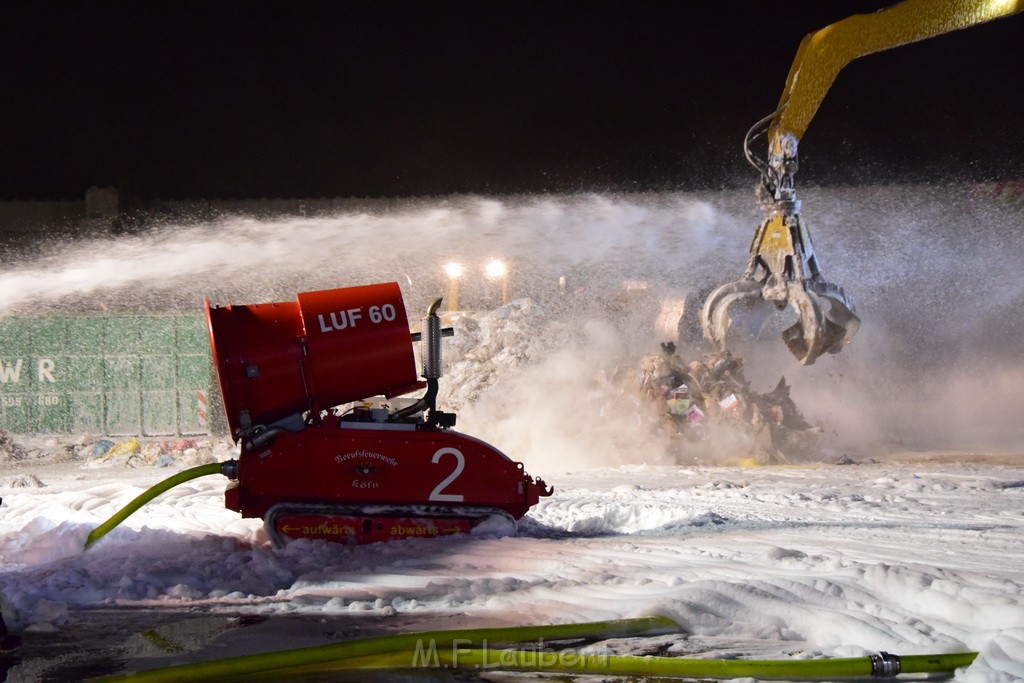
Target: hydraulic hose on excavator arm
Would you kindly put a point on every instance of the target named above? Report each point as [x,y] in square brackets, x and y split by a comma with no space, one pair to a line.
[783,268]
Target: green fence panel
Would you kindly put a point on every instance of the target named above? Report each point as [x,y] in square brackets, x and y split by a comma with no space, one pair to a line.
[85,412]
[51,412]
[17,339]
[193,411]
[158,336]
[111,374]
[197,387]
[123,412]
[158,373]
[192,336]
[48,336]
[16,411]
[81,373]
[123,336]
[159,413]
[85,336]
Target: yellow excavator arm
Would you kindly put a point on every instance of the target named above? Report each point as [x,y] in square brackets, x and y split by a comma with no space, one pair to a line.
[824,53]
[783,267]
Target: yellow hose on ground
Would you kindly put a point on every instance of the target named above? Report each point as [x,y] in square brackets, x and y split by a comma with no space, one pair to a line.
[576,662]
[461,649]
[291,661]
[148,495]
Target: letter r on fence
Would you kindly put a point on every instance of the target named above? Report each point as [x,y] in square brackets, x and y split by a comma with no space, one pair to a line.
[46,366]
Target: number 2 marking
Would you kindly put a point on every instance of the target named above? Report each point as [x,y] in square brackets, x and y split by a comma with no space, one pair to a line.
[460,464]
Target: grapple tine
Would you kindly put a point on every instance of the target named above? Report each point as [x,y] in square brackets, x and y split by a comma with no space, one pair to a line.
[840,313]
[805,336]
[817,331]
[714,315]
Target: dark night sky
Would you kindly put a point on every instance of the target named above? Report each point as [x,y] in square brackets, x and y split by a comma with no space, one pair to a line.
[301,99]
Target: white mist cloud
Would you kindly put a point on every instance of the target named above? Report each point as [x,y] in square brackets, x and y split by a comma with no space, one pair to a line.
[934,273]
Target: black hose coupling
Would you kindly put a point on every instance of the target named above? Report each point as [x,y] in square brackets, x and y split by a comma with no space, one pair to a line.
[229,468]
[884,665]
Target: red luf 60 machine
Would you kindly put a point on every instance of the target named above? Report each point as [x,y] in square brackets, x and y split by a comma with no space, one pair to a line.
[312,468]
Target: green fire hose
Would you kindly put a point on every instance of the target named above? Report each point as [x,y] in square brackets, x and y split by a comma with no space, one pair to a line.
[154,491]
[326,656]
[469,649]
[884,665]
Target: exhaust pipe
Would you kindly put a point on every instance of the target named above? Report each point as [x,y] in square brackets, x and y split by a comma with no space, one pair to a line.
[430,353]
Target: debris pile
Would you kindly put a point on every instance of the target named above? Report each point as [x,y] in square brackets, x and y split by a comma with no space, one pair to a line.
[183,452]
[699,411]
[10,450]
[31,449]
[710,402]
[21,481]
[93,451]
